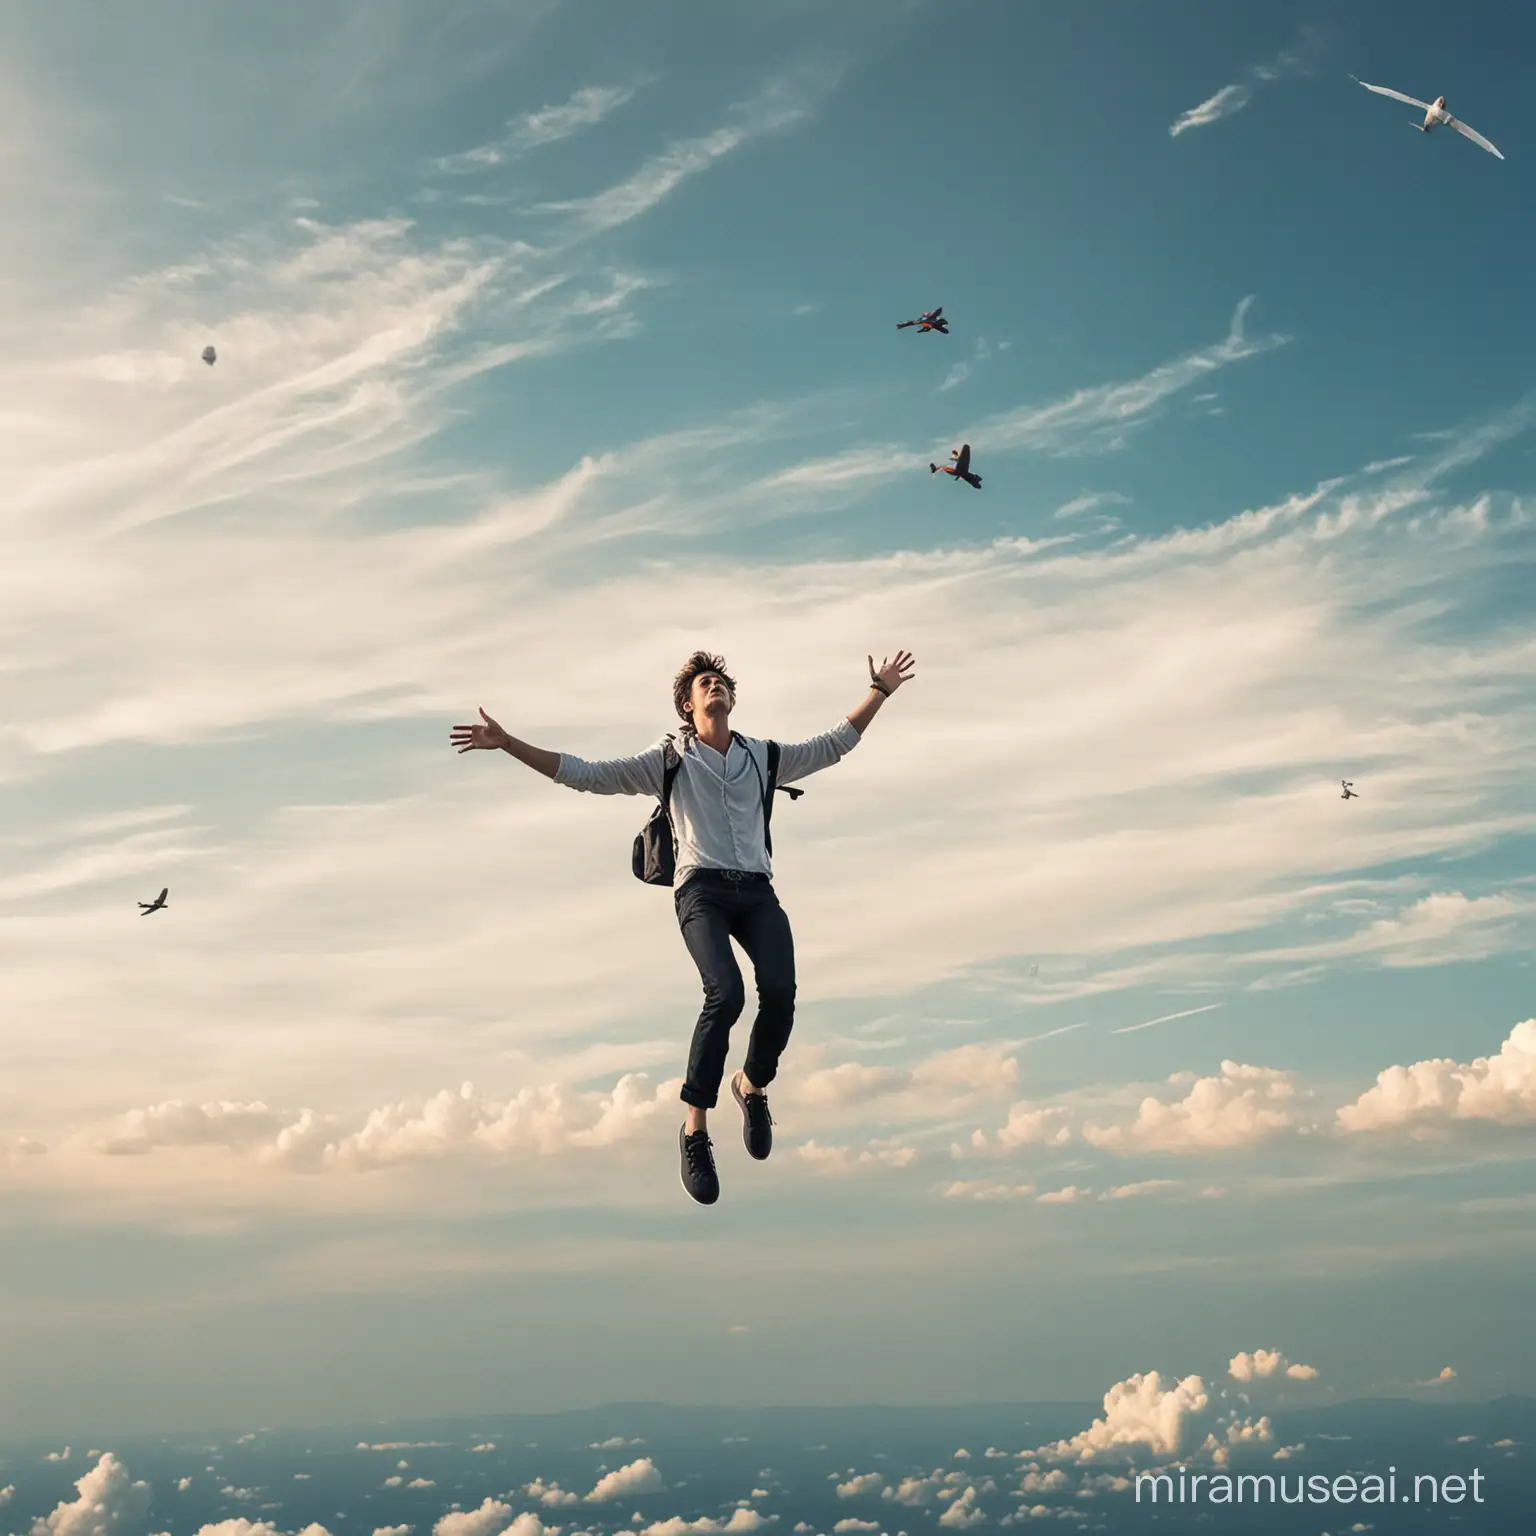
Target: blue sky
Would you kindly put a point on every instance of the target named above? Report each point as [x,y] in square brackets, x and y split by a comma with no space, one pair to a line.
[555,340]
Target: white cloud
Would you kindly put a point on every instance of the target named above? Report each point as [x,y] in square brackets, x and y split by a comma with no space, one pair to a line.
[551,1494]
[1027,1125]
[986,1189]
[741,1522]
[1261,1364]
[838,1160]
[1237,1432]
[1139,1411]
[915,1492]
[1140,1188]
[963,1513]
[392,1530]
[1101,417]
[1431,1096]
[640,1476]
[111,1503]
[536,1122]
[1226,101]
[848,1526]
[1035,1481]
[584,108]
[1233,98]
[1244,1105]
[245,1527]
[856,1487]
[782,104]
[1091,501]
[490,1519]
[1069,1195]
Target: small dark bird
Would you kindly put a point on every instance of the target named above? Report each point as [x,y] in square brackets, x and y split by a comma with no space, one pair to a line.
[156,904]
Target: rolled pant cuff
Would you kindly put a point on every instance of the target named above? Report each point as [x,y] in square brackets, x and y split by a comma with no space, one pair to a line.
[758,1075]
[698,1098]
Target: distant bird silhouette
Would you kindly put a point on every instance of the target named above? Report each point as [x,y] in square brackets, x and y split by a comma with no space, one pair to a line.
[1349,793]
[156,904]
[210,356]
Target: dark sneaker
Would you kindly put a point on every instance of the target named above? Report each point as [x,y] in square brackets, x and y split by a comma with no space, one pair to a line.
[756,1122]
[699,1176]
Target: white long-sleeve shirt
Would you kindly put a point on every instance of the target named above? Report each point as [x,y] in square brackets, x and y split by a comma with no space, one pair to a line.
[717,800]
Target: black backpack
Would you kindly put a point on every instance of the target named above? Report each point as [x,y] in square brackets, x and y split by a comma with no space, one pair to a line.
[654,859]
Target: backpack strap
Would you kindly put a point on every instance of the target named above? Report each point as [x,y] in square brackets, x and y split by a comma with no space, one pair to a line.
[671,762]
[773,776]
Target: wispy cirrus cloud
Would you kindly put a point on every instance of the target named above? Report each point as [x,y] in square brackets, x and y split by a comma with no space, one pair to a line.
[1101,417]
[785,102]
[1092,420]
[1091,501]
[1233,98]
[583,109]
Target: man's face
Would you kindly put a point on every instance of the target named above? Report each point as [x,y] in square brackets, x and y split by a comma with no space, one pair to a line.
[710,696]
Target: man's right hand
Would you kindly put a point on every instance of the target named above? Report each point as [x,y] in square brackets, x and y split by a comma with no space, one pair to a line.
[489,736]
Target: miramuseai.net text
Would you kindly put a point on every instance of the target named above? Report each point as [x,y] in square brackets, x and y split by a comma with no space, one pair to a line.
[1178,1486]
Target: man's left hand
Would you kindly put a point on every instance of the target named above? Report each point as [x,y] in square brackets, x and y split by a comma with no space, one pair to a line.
[892,673]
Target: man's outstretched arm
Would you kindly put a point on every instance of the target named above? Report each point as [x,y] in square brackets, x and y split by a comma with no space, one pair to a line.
[883,682]
[640,775]
[468,738]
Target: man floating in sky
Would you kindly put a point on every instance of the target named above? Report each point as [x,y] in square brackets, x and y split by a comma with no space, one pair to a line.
[1349,790]
[961,468]
[720,793]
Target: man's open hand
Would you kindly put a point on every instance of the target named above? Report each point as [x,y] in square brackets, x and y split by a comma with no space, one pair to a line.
[892,673]
[488,736]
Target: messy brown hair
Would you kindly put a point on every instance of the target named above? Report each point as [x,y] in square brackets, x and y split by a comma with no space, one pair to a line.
[682,685]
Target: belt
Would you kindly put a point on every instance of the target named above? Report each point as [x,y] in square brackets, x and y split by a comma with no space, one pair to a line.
[735,876]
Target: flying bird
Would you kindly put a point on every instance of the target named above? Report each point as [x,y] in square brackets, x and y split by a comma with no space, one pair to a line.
[1349,790]
[210,356]
[929,320]
[156,904]
[1435,114]
[961,468]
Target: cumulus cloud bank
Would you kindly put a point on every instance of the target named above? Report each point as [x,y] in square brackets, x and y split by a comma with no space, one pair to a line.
[1428,1097]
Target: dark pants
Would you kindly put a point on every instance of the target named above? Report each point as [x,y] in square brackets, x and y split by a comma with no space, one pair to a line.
[711,911]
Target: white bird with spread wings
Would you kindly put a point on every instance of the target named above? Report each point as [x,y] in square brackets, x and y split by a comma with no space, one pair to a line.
[1435,114]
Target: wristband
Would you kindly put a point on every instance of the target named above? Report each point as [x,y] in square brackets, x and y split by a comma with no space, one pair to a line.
[880,687]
